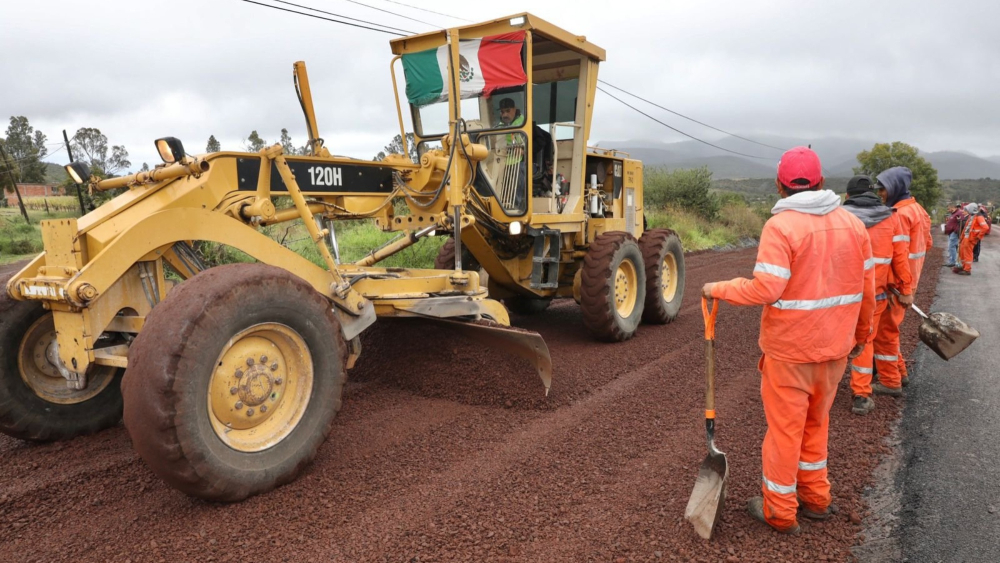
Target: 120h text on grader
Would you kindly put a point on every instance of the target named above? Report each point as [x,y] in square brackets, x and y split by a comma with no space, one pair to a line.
[229,382]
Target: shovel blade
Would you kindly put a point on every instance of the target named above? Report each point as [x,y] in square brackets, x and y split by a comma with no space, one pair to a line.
[709,495]
[946,334]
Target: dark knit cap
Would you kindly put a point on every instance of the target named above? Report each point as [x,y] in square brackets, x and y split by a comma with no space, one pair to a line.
[859,184]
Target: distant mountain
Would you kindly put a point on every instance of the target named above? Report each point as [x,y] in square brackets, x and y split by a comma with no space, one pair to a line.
[959,165]
[839,156]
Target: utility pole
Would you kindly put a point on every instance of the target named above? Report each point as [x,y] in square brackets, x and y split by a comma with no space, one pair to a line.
[79,194]
[10,171]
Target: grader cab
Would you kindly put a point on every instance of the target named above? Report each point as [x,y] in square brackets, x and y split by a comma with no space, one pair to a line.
[229,382]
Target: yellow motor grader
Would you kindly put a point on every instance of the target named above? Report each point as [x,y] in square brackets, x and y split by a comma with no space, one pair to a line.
[229,382]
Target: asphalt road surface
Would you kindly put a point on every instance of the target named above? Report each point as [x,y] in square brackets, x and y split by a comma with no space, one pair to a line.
[951,430]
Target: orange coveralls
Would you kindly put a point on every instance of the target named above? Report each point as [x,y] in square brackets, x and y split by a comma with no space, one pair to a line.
[975,229]
[890,249]
[917,226]
[815,277]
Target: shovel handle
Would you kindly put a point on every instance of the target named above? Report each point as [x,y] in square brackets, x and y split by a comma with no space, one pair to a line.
[709,311]
[709,316]
[913,306]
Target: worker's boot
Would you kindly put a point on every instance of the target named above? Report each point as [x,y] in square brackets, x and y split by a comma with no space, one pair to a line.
[906,380]
[862,405]
[964,273]
[755,507]
[806,512]
[880,389]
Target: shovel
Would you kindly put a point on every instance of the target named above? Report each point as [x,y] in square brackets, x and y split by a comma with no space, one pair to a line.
[944,333]
[709,495]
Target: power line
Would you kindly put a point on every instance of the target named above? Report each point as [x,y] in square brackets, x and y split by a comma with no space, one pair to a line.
[428,11]
[393,13]
[322,18]
[637,110]
[691,118]
[672,128]
[343,16]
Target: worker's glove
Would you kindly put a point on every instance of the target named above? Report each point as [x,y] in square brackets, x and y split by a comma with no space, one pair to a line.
[906,300]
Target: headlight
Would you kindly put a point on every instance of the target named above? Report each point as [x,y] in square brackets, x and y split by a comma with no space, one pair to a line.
[78,172]
[171,149]
[515,228]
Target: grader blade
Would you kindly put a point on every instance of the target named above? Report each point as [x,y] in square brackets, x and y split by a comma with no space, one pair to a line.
[522,343]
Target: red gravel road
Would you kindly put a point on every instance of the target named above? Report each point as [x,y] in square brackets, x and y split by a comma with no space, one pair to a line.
[446,452]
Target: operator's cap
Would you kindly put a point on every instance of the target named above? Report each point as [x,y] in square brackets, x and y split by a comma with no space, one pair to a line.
[859,184]
[507,103]
[800,169]
[972,208]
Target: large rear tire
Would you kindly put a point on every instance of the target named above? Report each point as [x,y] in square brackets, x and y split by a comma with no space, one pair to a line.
[234,381]
[664,258]
[613,287]
[35,403]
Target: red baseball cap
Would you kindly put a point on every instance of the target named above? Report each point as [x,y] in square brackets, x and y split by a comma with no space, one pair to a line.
[799,168]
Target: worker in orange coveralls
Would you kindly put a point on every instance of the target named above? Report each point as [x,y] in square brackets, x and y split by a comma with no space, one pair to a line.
[974,228]
[892,270]
[893,186]
[815,278]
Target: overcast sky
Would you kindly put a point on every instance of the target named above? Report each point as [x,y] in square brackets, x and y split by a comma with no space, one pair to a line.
[921,71]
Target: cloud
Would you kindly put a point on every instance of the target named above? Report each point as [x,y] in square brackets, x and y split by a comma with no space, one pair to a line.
[925,72]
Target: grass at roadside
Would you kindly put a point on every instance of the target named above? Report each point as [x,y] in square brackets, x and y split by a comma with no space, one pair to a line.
[20,240]
[735,223]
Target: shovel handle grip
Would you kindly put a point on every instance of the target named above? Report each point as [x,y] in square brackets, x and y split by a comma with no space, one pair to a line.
[709,316]
[709,311]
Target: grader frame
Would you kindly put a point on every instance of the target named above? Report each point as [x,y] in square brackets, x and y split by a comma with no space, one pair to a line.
[222,379]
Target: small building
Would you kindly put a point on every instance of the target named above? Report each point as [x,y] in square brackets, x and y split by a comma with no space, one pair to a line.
[33,190]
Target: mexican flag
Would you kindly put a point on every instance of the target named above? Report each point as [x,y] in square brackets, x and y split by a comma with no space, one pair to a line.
[484,65]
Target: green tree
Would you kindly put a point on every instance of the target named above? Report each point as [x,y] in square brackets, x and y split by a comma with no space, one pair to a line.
[145,167]
[213,144]
[254,143]
[8,169]
[925,187]
[26,147]
[684,188]
[395,146]
[91,146]
[287,145]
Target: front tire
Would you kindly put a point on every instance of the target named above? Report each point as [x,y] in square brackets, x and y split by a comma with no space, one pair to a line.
[35,403]
[613,287]
[526,305]
[234,381]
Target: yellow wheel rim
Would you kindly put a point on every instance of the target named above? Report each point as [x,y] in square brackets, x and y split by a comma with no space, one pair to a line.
[626,281]
[669,277]
[260,388]
[43,378]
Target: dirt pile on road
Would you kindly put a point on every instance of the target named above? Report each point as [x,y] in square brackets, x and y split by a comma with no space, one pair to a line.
[446,451]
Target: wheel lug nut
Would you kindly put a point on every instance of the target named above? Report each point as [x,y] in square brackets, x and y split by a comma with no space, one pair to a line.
[234,390]
[277,381]
[238,374]
[239,405]
[249,361]
[249,412]
[263,408]
[274,366]
[263,359]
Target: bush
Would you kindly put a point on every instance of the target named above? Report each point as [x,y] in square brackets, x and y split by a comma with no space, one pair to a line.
[681,188]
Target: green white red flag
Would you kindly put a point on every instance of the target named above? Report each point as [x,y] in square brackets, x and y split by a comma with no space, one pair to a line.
[484,65]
